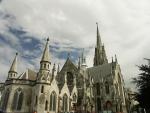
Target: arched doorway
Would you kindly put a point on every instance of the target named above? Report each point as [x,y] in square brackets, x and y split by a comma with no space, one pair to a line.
[108,106]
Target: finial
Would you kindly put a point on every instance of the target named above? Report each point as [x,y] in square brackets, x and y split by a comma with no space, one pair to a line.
[47,39]
[16,53]
[68,54]
[79,63]
[54,66]
[116,58]
[97,23]
[112,60]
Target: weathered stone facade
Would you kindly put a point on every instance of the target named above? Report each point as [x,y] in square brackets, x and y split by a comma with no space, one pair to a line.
[73,88]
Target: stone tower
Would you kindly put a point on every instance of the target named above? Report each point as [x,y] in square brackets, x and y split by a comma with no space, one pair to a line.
[43,82]
[100,55]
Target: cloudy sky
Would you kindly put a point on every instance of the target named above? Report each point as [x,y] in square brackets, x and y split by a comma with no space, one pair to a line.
[71,25]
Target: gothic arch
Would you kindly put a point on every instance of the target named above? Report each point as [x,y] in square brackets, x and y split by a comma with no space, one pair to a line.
[107,88]
[65,103]
[108,105]
[5,100]
[53,98]
[98,88]
[18,99]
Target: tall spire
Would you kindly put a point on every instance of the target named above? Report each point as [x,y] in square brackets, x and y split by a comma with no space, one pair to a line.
[13,69]
[45,61]
[99,43]
[46,56]
[100,55]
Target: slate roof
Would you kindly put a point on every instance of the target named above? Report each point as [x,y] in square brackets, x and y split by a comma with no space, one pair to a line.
[98,72]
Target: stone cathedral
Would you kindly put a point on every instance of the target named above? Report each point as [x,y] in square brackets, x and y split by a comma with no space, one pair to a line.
[73,88]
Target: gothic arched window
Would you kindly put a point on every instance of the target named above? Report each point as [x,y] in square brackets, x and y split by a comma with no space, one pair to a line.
[98,88]
[65,103]
[36,100]
[44,65]
[107,88]
[53,101]
[18,100]
[5,101]
[98,105]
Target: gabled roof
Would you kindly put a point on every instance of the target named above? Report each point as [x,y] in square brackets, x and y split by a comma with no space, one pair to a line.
[68,65]
[28,75]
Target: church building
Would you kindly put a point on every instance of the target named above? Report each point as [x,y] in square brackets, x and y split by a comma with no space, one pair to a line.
[73,88]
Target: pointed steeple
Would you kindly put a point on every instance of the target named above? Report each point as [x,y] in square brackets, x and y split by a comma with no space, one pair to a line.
[100,54]
[98,42]
[79,63]
[45,61]
[46,56]
[13,69]
[116,58]
[112,60]
[104,54]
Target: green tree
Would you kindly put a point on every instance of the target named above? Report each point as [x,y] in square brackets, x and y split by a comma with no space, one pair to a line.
[143,85]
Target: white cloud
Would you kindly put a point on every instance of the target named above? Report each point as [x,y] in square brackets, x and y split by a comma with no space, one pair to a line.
[124,26]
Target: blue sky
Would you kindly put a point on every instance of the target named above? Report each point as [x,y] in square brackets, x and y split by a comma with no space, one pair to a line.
[71,26]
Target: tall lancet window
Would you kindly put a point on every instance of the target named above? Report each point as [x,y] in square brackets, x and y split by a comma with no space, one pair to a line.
[107,88]
[36,100]
[46,105]
[5,100]
[98,88]
[65,103]
[18,100]
[53,101]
